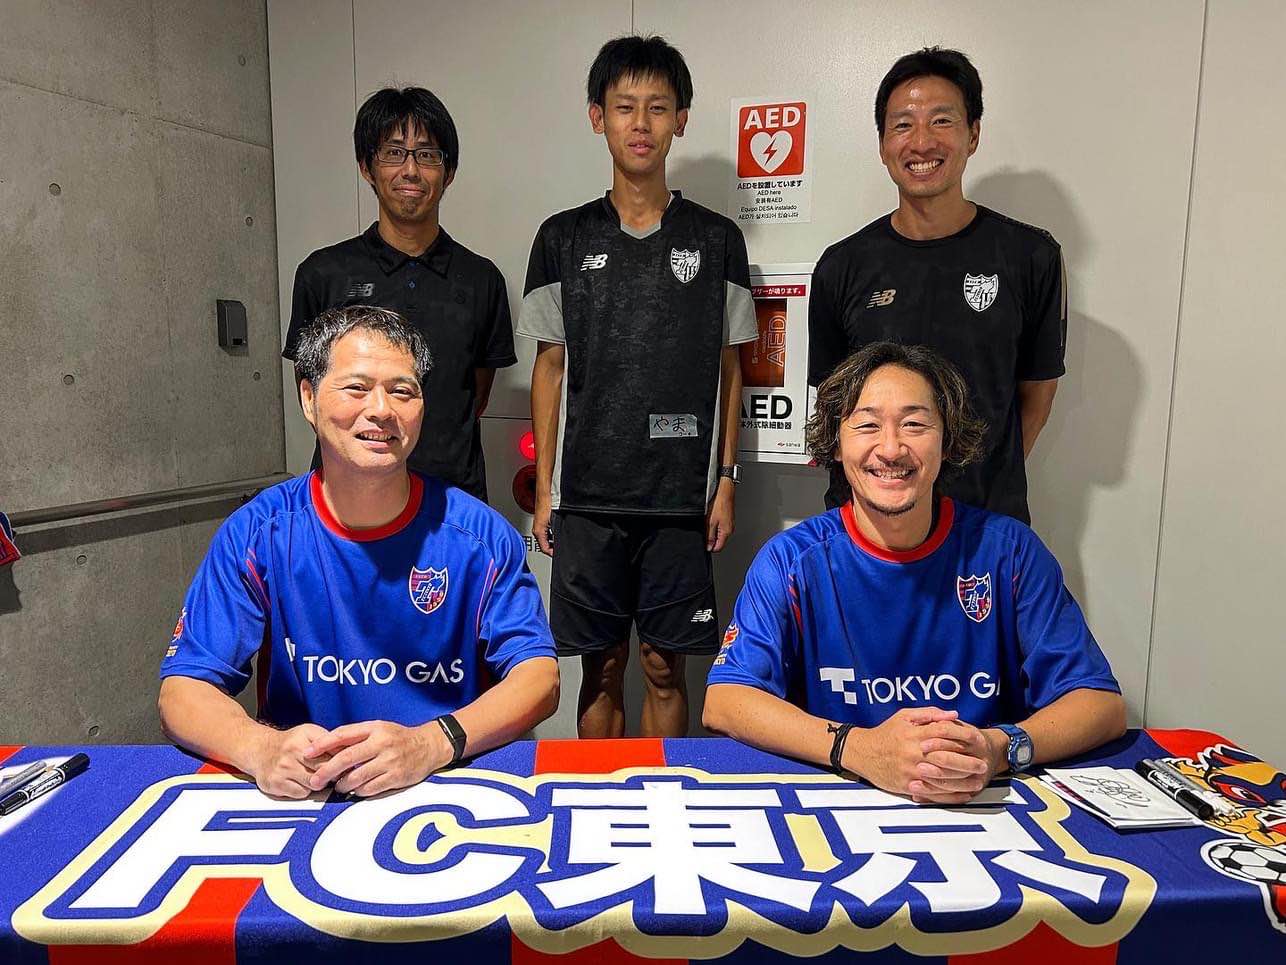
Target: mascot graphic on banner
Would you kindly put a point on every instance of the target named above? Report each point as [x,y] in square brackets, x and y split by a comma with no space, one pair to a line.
[1258,854]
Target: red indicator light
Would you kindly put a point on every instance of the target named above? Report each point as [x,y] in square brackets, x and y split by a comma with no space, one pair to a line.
[527,446]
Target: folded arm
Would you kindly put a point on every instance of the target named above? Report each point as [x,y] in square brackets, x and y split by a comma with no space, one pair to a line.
[202,718]
[886,756]
[378,755]
[925,752]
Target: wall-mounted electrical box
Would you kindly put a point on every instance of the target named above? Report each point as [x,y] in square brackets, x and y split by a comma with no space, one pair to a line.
[232,324]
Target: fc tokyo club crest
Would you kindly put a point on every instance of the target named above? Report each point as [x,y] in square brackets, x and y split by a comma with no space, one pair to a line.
[981,290]
[428,588]
[685,264]
[974,593]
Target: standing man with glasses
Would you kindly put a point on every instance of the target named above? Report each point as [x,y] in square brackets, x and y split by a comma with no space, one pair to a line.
[407,151]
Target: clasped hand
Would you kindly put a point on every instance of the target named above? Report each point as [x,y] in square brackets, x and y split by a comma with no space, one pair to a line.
[925,753]
[362,759]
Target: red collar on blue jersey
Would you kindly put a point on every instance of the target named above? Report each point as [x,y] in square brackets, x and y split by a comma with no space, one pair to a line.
[946,514]
[394,525]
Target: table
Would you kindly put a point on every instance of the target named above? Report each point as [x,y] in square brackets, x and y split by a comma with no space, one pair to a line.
[626,851]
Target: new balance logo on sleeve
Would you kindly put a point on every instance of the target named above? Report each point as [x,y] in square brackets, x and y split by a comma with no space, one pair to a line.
[594,261]
[882,298]
[703,616]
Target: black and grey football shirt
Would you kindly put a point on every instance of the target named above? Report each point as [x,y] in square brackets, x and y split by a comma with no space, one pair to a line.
[991,299]
[644,317]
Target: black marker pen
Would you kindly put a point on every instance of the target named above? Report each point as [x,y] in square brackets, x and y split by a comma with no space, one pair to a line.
[1217,801]
[1171,788]
[18,781]
[56,775]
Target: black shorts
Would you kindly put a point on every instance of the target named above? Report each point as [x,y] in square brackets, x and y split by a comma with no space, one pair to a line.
[611,569]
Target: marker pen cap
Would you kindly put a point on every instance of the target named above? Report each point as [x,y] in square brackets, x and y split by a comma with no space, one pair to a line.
[74,764]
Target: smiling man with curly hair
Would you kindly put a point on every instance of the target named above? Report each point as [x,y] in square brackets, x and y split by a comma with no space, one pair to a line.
[914,641]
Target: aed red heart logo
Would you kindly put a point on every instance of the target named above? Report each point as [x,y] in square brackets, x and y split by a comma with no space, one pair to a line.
[770,139]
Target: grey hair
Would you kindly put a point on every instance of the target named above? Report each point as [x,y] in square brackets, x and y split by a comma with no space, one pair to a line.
[313,348]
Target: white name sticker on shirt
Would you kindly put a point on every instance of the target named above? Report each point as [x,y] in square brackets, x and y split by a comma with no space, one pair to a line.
[672,425]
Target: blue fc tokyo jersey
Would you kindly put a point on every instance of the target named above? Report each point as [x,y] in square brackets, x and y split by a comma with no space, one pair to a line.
[401,623]
[976,619]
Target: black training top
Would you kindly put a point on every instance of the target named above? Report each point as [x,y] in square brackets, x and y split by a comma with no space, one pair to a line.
[991,299]
[644,316]
[453,296]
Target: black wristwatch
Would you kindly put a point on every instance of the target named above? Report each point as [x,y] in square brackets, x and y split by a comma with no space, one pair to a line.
[732,472]
[455,734]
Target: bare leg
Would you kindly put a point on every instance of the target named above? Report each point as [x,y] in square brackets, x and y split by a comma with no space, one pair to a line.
[665,693]
[600,712]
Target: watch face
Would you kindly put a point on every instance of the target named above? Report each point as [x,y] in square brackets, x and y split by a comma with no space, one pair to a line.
[1023,754]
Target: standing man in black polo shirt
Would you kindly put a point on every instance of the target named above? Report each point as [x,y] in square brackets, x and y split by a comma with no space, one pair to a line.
[637,299]
[407,150]
[983,290]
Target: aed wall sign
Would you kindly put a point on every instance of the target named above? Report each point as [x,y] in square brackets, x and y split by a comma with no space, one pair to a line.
[774,395]
[770,144]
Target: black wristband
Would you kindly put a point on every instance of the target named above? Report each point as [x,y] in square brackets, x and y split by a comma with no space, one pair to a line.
[837,747]
[455,735]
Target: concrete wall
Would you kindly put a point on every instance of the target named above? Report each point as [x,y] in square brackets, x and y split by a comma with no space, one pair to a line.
[135,189]
[1091,136]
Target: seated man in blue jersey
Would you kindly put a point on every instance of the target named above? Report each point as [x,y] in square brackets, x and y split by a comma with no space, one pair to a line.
[379,604]
[916,642]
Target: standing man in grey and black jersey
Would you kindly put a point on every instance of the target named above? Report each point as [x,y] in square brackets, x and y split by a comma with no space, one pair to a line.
[983,290]
[408,151]
[637,299]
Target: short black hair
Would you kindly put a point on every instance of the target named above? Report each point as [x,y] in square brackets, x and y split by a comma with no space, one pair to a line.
[635,56]
[388,111]
[318,338]
[941,62]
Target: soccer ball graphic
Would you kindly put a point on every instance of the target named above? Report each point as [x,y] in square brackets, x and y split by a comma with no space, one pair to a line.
[1249,862]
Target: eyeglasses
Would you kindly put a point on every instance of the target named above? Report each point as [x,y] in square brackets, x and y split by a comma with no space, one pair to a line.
[431,157]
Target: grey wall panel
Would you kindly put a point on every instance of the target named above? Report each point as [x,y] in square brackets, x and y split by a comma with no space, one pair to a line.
[86,616]
[81,658]
[85,619]
[316,178]
[1218,634]
[212,66]
[101,51]
[109,279]
[227,421]
[83,300]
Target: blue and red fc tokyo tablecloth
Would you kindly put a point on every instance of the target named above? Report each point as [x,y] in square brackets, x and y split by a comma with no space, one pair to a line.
[632,851]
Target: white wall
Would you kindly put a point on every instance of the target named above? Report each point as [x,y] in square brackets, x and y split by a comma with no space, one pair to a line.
[1053,149]
[1088,131]
[311,70]
[1218,634]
